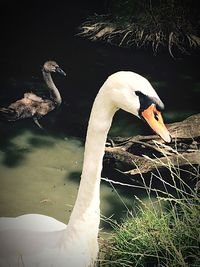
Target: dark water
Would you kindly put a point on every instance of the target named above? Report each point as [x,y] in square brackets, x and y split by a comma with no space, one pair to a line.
[40,168]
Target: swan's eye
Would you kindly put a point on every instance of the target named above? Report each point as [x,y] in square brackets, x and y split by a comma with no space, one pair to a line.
[156,116]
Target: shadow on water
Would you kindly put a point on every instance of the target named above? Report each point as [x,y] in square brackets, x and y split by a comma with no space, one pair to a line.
[74,177]
[14,157]
[15,152]
[40,142]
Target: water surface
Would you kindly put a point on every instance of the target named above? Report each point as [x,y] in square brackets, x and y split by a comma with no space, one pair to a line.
[40,173]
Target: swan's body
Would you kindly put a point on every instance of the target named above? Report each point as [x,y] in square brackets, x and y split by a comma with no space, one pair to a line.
[33,106]
[36,240]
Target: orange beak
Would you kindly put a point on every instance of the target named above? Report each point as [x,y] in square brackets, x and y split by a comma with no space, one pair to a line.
[154,118]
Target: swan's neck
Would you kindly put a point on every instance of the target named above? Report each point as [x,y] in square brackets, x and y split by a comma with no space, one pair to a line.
[86,210]
[53,89]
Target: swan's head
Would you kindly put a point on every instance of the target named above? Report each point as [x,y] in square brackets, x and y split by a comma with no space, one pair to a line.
[133,93]
[52,66]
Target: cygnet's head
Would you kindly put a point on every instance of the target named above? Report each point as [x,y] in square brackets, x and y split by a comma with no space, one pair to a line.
[52,66]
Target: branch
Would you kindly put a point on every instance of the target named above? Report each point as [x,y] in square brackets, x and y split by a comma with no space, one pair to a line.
[143,154]
[178,160]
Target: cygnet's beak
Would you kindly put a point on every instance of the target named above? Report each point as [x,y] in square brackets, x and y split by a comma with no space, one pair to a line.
[59,70]
[154,118]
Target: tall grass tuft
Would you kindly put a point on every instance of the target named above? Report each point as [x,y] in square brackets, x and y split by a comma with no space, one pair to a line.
[165,232]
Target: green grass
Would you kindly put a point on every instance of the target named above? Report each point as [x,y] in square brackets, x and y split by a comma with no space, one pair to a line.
[164,232]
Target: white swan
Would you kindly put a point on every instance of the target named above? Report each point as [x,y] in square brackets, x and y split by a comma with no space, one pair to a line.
[35,240]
